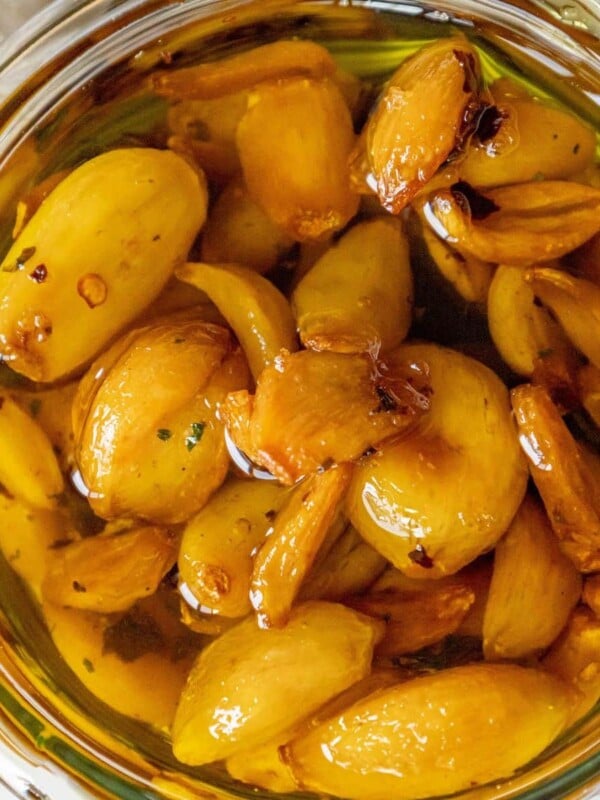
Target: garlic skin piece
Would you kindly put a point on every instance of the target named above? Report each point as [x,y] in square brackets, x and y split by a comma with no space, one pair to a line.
[98,250]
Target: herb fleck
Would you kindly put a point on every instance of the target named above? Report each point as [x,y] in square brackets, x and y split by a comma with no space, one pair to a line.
[79,587]
[576,149]
[194,437]
[88,665]
[164,434]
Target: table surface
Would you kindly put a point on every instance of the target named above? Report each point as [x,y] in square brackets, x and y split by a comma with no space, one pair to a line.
[16,12]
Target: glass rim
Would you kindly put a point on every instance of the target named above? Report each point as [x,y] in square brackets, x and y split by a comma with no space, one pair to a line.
[58,20]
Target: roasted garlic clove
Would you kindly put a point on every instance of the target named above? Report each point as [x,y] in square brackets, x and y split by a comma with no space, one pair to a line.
[29,469]
[425,112]
[349,566]
[534,588]
[523,139]
[568,487]
[312,410]
[576,304]
[262,766]
[109,573]
[294,142]
[575,658]
[157,454]
[28,536]
[470,277]
[517,225]
[272,61]
[239,231]
[251,685]
[51,409]
[475,579]
[433,735]
[522,330]
[415,619]
[98,250]
[289,551]
[256,310]
[218,544]
[358,296]
[430,502]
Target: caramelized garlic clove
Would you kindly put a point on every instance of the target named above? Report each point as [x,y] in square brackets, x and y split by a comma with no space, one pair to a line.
[568,488]
[273,61]
[313,409]
[250,685]
[534,588]
[522,330]
[256,310]
[160,454]
[425,112]
[29,469]
[575,658]
[529,140]
[396,743]
[358,295]
[430,502]
[575,302]
[516,225]
[349,566]
[470,276]
[239,231]
[589,387]
[98,250]
[109,573]
[415,619]
[299,529]
[294,142]
[218,544]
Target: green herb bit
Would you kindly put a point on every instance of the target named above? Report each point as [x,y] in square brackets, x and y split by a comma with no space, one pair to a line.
[194,437]
[164,434]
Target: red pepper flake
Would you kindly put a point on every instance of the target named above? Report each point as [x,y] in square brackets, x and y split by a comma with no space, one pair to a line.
[39,274]
[92,289]
[419,556]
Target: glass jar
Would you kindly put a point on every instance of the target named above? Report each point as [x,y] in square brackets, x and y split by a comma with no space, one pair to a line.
[56,741]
